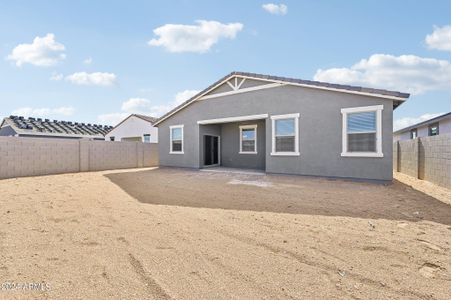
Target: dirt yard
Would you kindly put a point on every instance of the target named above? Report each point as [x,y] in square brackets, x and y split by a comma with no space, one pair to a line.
[181,234]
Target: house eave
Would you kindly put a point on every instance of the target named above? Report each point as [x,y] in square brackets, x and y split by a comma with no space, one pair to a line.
[199,96]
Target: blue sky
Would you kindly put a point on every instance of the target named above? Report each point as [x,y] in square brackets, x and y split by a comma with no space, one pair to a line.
[97,61]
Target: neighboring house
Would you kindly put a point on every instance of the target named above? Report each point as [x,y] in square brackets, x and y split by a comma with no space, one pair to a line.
[135,127]
[431,127]
[283,125]
[37,127]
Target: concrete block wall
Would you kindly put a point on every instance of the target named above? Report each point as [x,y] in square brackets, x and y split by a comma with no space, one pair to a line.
[408,157]
[108,155]
[435,159]
[426,158]
[23,156]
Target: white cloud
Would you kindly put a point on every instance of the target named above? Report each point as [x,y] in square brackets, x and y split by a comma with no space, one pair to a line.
[145,107]
[197,38]
[440,38]
[112,119]
[136,105]
[43,52]
[181,97]
[96,78]
[44,112]
[57,77]
[408,121]
[406,73]
[88,61]
[275,9]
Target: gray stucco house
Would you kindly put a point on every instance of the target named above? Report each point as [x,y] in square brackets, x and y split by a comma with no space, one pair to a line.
[283,125]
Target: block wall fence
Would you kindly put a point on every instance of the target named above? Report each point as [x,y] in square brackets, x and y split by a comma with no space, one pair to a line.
[426,158]
[24,156]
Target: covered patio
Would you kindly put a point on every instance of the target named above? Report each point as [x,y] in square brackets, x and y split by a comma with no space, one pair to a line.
[234,142]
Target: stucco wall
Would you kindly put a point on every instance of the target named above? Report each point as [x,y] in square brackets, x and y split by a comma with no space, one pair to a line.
[427,158]
[423,131]
[21,156]
[230,146]
[7,131]
[134,127]
[320,128]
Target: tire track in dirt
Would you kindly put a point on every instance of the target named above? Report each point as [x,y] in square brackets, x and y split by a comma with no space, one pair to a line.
[156,289]
[212,264]
[237,275]
[328,268]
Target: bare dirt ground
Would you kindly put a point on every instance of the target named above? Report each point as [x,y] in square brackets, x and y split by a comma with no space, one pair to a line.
[429,188]
[181,234]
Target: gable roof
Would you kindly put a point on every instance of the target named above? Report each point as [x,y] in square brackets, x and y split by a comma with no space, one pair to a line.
[46,127]
[149,119]
[398,97]
[427,122]
[146,118]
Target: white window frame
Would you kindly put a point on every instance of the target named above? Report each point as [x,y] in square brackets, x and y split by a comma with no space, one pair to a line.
[144,138]
[254,126]
[296,134]
[345,111]
[170,139]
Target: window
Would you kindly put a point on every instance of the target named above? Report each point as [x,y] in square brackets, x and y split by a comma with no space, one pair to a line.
[112,138]
[248,139]
[176,138]
[146,138]
[413,133]
[285,135]
[433,129]
[362,131]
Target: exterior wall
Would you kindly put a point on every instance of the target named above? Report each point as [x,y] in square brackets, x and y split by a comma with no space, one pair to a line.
[320,128]
[40,156]
[445,126]
[134,127]
[402,136]
[423,131]
[7,131]
[427,158]
[230,146]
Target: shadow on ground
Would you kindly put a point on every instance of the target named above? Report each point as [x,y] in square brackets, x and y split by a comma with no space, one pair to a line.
[281,194]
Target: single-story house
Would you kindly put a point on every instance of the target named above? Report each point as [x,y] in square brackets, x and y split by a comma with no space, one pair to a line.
[45,128]
[283,125]
[138,128]
[435,126]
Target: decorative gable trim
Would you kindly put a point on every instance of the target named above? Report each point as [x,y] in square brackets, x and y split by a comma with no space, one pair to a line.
[272,82]
[239,91]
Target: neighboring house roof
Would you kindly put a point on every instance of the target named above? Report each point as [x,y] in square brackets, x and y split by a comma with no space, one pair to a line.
[46,127]
[427,122]
[393,95]
[149,119]
[146,118]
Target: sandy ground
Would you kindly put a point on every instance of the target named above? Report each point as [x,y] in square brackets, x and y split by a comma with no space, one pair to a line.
[429,188]
[169,233]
